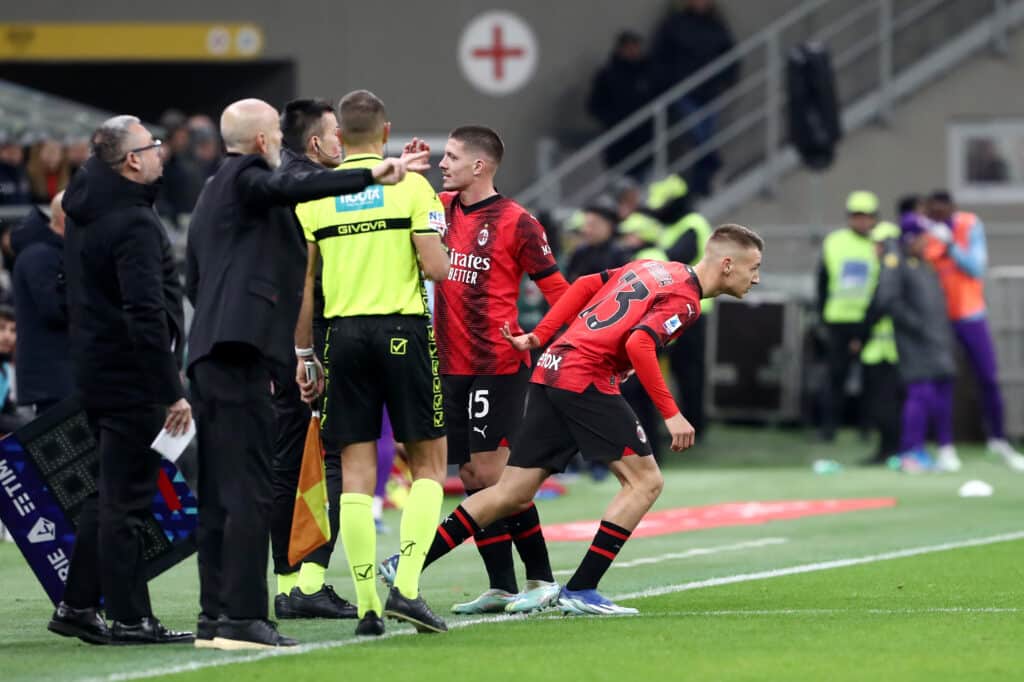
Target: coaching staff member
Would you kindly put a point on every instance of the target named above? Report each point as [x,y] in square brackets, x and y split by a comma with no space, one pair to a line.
[124,308]
[310,143]
[246,267]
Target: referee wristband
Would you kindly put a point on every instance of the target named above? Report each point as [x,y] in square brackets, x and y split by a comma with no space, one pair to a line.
[303,352]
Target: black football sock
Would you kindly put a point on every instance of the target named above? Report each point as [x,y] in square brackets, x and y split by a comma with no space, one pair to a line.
[607,543]
[529,540]
[495,546]
[457,527]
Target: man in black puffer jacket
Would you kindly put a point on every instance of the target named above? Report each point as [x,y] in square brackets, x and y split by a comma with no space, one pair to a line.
[124,313]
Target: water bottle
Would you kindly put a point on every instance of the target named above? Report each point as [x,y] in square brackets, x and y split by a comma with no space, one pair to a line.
[826,466]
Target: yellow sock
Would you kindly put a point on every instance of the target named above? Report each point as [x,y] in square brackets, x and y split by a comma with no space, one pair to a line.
[419,522]
[286,581]
[311,577]
[360,538]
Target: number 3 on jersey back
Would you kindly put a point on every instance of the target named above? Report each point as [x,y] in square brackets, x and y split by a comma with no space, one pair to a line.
[631,288]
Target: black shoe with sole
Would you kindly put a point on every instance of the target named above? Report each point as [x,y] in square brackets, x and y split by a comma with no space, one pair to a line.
[238,635]
[149,630]
[324,603]
[413,611]
[85,624]
[206,630]
[370,625]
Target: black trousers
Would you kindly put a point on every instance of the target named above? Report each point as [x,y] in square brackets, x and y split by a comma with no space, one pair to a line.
[108,555]
[840,361]
[235,432]
[883,399]
[686,359]
[293,417]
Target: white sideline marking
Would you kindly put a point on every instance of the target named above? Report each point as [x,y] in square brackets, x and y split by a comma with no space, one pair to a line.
[713,582]
[696,551]
[826,612]
[820,566]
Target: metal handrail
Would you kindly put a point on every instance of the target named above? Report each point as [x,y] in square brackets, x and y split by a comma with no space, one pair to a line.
[769,40]
[593,149]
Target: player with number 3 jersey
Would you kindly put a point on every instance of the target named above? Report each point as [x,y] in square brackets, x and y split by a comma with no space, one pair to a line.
[617,321]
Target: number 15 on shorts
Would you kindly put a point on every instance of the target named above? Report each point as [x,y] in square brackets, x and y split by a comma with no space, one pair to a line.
[479,405]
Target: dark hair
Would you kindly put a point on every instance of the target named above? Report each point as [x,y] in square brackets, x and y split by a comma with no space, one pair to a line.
[737,234]
[628,38]
[7,312]
[941,195]
[907,204]
[300,120]
[361,117]
[482,139]
[604,211]
[107,141]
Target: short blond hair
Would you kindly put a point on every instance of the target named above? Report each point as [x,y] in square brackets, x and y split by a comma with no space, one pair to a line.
[738,235]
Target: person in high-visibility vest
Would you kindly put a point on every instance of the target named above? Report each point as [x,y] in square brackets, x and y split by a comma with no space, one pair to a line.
[883,388]
[960,256]
[683,239]
[847,275]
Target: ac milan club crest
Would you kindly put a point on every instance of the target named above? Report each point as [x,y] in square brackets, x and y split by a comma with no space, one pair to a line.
[640,433]
[482,238]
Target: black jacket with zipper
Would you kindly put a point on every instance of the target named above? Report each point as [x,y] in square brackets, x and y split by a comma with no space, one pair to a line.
[124,293]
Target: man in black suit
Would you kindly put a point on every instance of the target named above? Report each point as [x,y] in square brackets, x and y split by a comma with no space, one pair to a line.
[246,271]
[125,322]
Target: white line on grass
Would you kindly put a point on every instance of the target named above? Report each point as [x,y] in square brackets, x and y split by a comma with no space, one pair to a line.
[696,551]
[823,612]
[713,582]
[820,566]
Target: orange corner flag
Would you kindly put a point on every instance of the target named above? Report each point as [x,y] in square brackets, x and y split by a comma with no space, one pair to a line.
[310,528]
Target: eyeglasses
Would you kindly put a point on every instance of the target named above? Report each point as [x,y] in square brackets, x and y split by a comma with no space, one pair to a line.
[155,144]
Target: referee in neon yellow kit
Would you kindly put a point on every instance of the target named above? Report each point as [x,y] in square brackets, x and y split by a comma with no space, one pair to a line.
[377,246]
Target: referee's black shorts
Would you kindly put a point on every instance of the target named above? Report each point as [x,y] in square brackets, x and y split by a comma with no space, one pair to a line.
[375,361]
[558,423]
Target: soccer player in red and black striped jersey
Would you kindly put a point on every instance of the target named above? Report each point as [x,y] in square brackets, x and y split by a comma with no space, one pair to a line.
[618,319]
[492,243]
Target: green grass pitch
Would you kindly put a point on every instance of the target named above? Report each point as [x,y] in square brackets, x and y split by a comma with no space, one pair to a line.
[927,590]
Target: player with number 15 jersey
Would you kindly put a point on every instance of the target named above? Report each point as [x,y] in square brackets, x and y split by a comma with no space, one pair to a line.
[492,242]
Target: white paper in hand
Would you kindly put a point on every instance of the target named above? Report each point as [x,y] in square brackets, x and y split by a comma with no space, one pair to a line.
[170,446]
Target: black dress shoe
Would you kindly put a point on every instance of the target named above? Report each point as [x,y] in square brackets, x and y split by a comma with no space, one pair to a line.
[149,630]
[206,630]
[85,624]
[370,625]
[324,603]
[413,611]
[237,635]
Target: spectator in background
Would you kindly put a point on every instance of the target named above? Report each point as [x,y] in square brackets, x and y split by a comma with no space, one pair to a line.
[77,153]
[692,36]
[598,250]
[181,177]
[959,254]
[623,85]
[48,170]
[44,363]
[909,291]
[628,197]
[14,185]
[11,419]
